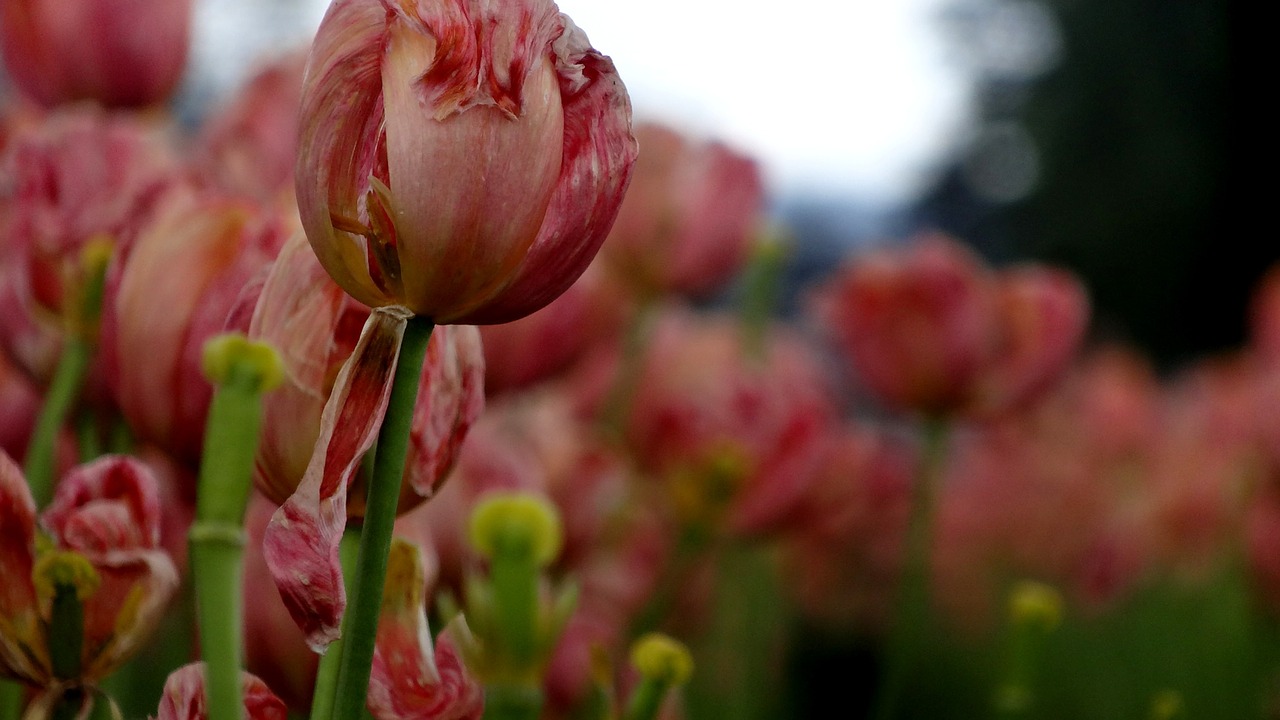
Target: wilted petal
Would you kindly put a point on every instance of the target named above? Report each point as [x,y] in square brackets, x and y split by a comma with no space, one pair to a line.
[184,697]
[301,542]
[21,632]
[410,680]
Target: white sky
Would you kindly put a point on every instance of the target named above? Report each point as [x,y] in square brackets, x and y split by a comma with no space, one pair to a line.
[841,97]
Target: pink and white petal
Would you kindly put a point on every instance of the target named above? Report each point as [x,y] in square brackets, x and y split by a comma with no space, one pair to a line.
[184,697]
[301,541]
[121,483]
[22,643]
[410,680]
[599,152]
[450,400]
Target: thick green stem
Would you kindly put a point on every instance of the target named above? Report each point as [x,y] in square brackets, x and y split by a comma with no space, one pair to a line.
[361,622]
[217,536]
[66,632]
[63,392]
[513,575]
[512,702]
[760,287]
[912,614]
[327,674]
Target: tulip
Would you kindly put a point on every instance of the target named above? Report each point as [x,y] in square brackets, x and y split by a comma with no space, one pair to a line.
[186,270]
[462,159]
[251,144]
[79,178]
[184,698]
[931,328]
[690,215]
[122,54]
[102,559]
[318,329]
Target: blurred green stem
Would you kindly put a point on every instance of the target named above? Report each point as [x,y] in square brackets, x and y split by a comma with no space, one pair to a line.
[68,378]
[327,675]
[912,617]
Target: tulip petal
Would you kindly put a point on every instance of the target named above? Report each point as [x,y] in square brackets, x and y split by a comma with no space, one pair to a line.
[22,645]
[338,151]
[301,542]
[184,697]
[410,680]
[599,152]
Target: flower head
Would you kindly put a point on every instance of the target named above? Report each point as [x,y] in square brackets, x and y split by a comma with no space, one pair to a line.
[462,158]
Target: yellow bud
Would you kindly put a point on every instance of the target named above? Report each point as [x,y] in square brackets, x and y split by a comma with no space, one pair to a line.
[517,517]
[662,658]
[64,568]
[234,352]
[1035,603]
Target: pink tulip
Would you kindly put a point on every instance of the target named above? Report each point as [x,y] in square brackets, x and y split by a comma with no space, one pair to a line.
[184,698]
[104,522]
[184,274]
[251,144]
[930,328]
[79,177]
[309,449]
[463,159]
[118,52]
[690,215]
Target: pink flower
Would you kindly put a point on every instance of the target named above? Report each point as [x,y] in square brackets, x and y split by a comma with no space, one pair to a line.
[182,279]
[461,158]
[690,215]
[184,697]
[79,177]
[251,144]
[103,527]
[410,680]
[310,448]
[724,430]
[930,328]
[120,53]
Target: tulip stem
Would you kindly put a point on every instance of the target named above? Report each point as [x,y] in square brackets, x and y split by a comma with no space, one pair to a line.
[65,388]
[907,630]
[327,675]
[241,371]
[11,700]
[361,623]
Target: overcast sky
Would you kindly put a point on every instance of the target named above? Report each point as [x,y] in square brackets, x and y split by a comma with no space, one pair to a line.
[843,97]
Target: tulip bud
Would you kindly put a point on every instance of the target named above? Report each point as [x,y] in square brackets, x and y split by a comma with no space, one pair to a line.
[459,158]
[122,54]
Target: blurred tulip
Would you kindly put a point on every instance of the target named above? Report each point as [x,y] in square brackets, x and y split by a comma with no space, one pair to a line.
[184,697]
[118,52]
[459,158]
[183,277]
[80,177]
[316,327]
[534,348]
[729,433]
[930,328]
[250,145]
[103,547]
[688,219]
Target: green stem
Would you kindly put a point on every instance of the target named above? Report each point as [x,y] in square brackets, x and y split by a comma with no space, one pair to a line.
[88,439]
[693,542]
[512,702]
[68,378]
[11,699]
[327,674]
[613,416]
[217,536]
[647,699]
[513,575]
[760,289]
[912,614]
[379,520]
